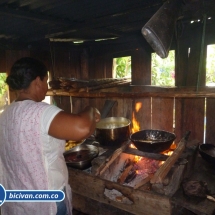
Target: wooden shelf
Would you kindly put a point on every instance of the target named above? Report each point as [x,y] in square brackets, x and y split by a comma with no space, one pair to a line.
[133,91]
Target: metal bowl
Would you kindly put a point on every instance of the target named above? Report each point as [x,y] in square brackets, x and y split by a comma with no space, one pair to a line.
[152,140]
[112,131]
[80,157]
[207,151]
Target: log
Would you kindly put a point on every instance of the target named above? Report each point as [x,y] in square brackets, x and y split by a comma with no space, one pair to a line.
[107,85]
[95,82]
[164,169]
[112,158]
[83,85]
[125,173]
[144,181]
[155,156]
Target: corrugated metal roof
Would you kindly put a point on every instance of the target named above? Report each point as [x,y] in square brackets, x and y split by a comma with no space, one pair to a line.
[26,21]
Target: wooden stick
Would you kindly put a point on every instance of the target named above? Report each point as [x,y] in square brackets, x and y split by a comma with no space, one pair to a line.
[155,156]
[95,82]
[124,174]
[108,85]
[112,158]
[164,169]
[144,181]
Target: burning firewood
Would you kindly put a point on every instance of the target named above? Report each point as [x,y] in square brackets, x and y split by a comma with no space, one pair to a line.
[165,168]
[112,158]
[128,169]
[144,181]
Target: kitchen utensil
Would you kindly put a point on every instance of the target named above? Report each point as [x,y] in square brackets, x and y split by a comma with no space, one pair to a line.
[112,131]
[159,30]
[207,151]
[152,140]
[107,107]
[80,157]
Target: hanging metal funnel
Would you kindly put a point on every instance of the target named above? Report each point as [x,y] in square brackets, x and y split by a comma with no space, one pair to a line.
[159,30]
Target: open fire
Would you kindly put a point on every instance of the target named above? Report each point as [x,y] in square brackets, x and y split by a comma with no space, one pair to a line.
[132,170]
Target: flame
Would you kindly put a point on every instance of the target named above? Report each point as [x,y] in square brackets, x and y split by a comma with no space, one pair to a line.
[138,106]
[135,123]
[138,172]
[136,157]
[169,151]
[173,146]
[133,146]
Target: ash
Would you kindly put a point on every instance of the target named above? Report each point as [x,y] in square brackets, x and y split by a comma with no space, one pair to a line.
[117,196]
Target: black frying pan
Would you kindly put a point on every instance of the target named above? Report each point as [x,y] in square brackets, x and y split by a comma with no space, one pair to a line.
[152,140]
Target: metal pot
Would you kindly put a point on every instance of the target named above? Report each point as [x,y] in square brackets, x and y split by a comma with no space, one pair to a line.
[112,131]
[152,140]
[80,157]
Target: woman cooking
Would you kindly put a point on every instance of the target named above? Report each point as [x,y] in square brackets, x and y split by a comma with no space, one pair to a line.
[32,141]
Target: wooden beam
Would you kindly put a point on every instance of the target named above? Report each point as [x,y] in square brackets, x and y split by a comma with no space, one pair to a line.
[134,93]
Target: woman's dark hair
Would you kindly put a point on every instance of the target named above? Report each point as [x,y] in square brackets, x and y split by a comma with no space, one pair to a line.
[24,71]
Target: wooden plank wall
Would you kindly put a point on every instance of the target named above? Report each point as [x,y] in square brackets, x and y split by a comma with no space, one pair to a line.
[156,113]
[189,113]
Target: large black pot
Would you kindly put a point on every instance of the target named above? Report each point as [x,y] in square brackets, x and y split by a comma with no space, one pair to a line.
[112,131]
[152,140]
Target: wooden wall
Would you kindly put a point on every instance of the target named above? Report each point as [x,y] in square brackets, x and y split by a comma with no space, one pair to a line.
[95,61]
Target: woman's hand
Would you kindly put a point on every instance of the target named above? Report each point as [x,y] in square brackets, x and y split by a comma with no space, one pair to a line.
[69,126]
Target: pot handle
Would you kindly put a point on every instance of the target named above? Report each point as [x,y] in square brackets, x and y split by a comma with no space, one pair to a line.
[107,107]
[104,112]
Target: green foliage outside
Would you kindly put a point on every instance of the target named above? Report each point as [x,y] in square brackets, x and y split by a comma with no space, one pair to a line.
[3,85]
[210,66]
[122,67]
[163,70]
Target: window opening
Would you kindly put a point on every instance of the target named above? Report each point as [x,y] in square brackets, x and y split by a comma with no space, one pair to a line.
[3,92]
[210,78]
[163,73]
[210,65]
[122,67]
[163,70]
[48,99]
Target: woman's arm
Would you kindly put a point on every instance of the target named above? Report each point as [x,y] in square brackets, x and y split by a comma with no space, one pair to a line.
[74,126]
